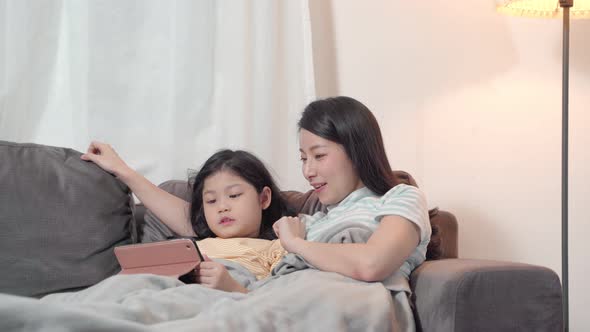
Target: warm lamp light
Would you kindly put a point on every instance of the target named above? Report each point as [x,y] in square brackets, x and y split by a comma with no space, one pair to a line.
[550,9]
[544,8]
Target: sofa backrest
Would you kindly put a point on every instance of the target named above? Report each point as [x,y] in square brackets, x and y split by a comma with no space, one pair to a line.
[60,218]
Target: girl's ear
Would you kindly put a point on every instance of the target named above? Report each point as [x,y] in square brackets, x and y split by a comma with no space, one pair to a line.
[265,197]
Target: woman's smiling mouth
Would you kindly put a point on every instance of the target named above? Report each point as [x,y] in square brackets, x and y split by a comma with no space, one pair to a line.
[318,186]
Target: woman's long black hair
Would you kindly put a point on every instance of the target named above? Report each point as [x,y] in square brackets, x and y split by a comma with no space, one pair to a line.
[253,171]
[347,121]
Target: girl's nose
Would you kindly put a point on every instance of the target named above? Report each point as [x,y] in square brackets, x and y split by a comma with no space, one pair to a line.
[223,207]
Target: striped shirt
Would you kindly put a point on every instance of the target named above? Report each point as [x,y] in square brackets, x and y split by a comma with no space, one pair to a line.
[259,256]
[366,207]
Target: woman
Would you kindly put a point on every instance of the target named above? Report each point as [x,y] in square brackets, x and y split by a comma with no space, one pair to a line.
[344,160]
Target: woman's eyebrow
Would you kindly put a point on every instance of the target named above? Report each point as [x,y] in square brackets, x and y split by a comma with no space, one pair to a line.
[317,146]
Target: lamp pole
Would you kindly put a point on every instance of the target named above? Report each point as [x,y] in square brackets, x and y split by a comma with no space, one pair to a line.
[565,5]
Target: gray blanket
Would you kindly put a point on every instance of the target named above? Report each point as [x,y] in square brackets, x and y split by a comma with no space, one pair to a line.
[296,298]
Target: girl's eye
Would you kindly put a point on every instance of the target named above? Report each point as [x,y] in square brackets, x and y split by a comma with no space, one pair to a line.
[211,201]
[235,195]
[319,156]
[303,159]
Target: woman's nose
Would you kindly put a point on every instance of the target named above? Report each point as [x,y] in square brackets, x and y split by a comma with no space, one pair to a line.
[308,170]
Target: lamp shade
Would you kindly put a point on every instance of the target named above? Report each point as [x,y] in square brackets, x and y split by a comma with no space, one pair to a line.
[543,8]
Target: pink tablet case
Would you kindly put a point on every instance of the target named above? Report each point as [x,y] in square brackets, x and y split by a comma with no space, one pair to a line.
[169,258]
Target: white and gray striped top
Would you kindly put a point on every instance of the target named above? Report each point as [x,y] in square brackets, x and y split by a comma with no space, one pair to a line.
[366,207]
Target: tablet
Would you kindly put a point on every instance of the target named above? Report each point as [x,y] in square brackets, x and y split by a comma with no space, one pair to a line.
[169,258]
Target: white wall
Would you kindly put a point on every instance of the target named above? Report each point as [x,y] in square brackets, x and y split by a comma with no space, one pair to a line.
[470,104]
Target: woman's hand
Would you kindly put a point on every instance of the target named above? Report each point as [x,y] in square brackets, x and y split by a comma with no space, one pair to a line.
[214,275]
[289,230]
[105,156]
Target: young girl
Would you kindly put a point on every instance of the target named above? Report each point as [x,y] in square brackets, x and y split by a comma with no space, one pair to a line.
[344,160]
[234,204]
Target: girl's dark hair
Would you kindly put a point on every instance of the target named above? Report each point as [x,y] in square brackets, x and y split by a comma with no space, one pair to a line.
[347,121]
[253,171]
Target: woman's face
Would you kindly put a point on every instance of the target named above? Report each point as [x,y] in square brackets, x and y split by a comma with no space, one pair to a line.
[232,206]
[327,167]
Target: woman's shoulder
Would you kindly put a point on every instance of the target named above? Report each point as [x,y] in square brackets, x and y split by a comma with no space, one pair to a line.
[403,190]
[365,198]
[409,202]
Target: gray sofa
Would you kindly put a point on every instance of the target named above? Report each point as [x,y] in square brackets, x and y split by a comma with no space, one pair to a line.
[61,217]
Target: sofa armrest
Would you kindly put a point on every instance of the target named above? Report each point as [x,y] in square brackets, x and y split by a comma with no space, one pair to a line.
[481,295]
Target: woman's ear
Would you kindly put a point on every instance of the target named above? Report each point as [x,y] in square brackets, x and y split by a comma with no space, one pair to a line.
[265,197]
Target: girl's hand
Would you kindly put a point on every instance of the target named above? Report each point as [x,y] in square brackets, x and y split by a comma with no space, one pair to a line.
[289,230]
[105,156]
[214,275]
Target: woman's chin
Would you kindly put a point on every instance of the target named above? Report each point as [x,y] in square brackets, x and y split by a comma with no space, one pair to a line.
[325,200]
[329,200]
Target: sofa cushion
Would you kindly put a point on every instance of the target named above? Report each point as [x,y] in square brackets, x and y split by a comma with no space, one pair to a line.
[60,218]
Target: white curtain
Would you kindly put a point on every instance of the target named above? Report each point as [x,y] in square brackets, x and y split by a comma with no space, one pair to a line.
[167,83]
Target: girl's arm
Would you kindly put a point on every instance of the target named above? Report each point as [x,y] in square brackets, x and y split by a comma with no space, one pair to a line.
[173,211]
[384,253]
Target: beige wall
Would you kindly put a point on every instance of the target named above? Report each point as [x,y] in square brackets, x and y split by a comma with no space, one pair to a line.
[470,104]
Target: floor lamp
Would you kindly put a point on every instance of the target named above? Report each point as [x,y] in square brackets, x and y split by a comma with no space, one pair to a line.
[551,9]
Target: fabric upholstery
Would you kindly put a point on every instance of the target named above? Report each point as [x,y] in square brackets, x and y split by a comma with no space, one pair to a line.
[480,295]
[444,242]
[60,218]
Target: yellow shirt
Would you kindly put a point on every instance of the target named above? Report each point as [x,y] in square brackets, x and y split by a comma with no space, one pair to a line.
[257,255]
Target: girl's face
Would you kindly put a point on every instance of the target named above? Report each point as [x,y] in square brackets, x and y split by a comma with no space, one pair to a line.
[232,206]
[327,168]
